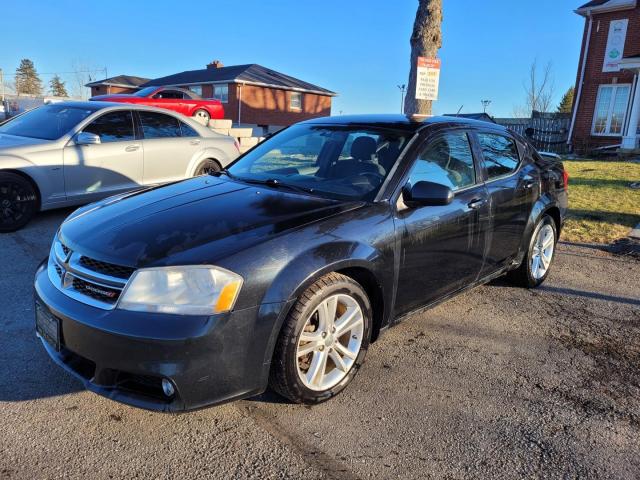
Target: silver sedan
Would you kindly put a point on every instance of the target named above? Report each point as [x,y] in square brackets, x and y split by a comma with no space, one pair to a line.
[72,153]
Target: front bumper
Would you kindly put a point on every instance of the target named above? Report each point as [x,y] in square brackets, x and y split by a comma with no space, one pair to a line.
[124,355]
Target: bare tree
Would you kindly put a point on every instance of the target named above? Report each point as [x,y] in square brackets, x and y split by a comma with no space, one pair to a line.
[539,88]
[426,40]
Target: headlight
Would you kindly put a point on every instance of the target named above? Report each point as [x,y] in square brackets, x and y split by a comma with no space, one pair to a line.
[188,290]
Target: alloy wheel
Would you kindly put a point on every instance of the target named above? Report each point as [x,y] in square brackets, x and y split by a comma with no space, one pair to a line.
[543,248]
[330,342]
[16,203]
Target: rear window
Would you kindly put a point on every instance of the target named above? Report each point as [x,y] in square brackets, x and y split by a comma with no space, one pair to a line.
[158,125]
[500,154]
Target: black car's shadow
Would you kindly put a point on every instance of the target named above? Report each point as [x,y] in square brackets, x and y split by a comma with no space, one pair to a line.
[27,372]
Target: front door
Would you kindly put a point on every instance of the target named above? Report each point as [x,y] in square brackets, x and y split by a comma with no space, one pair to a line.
[442,247]
[114,165]
[512,189]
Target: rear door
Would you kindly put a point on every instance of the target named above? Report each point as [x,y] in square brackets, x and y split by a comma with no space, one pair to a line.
[167,153]
[94,171]
[442,247]
[512,186]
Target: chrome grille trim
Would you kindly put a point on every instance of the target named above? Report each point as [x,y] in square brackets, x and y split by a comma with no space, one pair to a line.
[64,267]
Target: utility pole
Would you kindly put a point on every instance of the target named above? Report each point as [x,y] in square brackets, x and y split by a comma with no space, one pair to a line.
[485,104]
[403,88]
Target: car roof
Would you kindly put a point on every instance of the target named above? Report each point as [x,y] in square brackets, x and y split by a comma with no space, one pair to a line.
[401,122]
[96,106]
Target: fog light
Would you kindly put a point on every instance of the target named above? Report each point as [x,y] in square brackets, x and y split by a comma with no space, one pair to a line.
[168,388]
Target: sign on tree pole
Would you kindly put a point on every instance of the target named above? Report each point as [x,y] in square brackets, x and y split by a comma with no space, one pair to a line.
[428,78]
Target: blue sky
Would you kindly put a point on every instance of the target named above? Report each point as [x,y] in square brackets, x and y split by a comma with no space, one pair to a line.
[357,48]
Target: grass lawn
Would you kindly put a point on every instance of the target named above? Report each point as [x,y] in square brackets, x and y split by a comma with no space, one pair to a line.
[602,207]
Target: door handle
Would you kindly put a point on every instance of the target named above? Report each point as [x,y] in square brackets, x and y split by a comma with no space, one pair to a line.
[476,203]
[131,148]
[195,142]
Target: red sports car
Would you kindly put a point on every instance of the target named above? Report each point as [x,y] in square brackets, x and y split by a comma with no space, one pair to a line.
[177,99]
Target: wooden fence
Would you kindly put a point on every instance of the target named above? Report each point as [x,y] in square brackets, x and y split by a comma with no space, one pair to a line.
[548,132]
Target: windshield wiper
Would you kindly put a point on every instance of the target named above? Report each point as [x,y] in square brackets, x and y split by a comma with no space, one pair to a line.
[273,182]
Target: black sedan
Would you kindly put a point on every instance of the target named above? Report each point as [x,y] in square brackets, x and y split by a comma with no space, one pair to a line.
[282,269]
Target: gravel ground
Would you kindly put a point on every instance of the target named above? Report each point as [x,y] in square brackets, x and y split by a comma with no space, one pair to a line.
[498,383]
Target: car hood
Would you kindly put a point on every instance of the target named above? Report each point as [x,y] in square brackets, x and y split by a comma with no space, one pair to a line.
[12,141]
[193,221]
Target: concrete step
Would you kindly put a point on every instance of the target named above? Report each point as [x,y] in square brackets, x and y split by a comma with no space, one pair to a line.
[222,123]
[241,132]
[248,141]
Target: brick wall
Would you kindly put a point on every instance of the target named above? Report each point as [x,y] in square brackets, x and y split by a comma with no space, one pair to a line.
[594,76]
[271,106]
[105,90]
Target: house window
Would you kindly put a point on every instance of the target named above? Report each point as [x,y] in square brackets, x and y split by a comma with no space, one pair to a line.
[221,92]
[197,89]
[296,101]
[611,108]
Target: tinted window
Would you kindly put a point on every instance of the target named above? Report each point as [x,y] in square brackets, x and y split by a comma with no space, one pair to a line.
[173,94]
[48,122]
[157,125]
[187,131]
[112,127]
[500,154]
[447,160]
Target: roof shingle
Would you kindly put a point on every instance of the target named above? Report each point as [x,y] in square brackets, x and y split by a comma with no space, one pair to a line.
[126,80]
[250,73]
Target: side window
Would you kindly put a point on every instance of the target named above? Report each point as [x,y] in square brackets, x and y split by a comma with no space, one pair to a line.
[158,125]
[500,154]
[187,131]
[447,160]
[113,127]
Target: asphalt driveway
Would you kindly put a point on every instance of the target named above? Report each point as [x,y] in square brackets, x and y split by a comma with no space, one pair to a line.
[498,383]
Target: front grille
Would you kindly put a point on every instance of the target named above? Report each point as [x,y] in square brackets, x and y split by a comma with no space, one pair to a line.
[105,268]
[97,292]
[85,279]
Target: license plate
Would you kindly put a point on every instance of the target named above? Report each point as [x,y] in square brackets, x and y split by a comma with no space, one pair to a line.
[48,326]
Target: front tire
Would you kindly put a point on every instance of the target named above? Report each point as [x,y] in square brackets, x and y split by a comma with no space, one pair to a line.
[323,341]
[537,262]
[18,202]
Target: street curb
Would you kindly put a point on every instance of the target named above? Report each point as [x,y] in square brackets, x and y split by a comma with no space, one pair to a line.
[635,233]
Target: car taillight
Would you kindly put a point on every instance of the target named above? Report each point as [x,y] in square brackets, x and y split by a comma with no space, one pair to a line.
[237,145]
[565,179]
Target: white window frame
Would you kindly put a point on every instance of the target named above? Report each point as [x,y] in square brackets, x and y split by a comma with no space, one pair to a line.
[607,132]
[298,95]
[213,92]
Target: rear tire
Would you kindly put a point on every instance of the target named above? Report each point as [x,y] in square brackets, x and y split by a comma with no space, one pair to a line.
[18,202]
[208,167]
[536,264]
[202,116]
[323,341]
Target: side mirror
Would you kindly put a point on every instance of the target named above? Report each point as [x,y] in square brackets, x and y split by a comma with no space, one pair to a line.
[86,138]
[427,194]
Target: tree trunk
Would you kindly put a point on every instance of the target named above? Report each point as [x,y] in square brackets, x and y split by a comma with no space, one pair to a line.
[426,40]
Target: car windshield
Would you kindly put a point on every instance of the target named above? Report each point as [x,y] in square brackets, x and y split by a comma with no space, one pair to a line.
[145,92]
[48,122]
[341,162]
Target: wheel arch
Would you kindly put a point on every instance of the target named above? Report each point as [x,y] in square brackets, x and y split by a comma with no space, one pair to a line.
[545,205]
[360,262]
